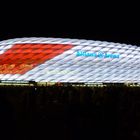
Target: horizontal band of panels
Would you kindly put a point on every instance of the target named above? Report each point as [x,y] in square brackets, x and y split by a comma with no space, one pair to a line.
[68,60]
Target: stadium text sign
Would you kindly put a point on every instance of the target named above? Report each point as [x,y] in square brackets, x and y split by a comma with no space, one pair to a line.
[97,54]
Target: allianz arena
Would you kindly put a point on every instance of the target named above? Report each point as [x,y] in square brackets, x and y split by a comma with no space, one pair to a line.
[68,60]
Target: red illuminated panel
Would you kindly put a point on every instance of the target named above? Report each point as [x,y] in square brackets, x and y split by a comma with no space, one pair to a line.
[23,57]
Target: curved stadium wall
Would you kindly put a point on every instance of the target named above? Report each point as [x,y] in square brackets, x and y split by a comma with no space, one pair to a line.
[68,60]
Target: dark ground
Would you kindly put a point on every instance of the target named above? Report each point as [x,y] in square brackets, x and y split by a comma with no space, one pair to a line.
[69,113]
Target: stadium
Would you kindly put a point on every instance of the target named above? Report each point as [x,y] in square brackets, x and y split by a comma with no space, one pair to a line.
[69,89]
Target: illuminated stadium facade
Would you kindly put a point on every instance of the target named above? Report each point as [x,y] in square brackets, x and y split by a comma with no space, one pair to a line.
[68,60]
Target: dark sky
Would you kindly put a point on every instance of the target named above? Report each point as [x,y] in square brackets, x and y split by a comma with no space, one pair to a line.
[96,21]
[103,29]
[128,37]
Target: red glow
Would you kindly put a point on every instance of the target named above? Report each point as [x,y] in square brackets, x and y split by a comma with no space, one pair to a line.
[23,57]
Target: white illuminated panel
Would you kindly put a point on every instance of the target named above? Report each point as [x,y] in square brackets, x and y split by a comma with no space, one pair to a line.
[68,60]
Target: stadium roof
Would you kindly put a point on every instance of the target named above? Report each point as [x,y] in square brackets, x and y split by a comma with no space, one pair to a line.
[68,60]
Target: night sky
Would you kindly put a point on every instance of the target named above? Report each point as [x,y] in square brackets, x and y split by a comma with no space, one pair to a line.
[103,29]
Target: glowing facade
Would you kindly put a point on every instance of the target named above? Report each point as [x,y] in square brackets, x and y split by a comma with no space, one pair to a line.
[68,60]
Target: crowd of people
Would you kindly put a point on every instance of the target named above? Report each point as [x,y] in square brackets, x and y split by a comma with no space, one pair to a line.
[70,112]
